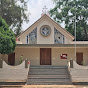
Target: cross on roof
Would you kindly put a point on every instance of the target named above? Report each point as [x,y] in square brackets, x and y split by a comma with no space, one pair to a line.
[44,10]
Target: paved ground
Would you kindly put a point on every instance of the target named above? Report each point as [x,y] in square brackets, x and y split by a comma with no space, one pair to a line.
[44,86]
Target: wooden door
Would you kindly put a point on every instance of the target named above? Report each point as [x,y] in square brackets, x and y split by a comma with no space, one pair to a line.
[11,59]
[45,56]
[79,58]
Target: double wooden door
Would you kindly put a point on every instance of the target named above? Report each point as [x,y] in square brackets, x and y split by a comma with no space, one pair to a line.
[45,56]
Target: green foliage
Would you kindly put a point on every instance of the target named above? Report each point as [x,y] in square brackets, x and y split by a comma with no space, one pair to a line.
[65,11]
[15,13]
[7,38]
[21,59]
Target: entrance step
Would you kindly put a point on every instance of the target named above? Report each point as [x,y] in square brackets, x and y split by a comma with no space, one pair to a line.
[48,66]
[48,75]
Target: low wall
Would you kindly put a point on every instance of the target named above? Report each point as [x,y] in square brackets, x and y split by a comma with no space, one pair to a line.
[13,73]
[78,73]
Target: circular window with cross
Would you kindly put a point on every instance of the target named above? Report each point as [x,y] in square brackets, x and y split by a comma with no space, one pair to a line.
[45,30]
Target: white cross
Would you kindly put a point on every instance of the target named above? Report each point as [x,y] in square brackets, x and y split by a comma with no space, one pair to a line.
[44,9]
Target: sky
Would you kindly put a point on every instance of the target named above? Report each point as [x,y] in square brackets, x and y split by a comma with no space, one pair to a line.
[35,8]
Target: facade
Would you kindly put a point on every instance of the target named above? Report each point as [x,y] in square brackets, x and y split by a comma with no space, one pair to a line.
[47,43]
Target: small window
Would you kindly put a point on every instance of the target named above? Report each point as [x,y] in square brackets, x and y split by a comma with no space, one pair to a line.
[27,39]
[59,37]
[63,39]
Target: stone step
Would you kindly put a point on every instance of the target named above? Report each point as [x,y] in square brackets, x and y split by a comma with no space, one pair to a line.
[47,76]
[52,82]
[49,83]
[48,67]
[47,73]
[31,71]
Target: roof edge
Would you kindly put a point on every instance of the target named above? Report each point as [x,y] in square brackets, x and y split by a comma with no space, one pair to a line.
[51,20]
[31,25]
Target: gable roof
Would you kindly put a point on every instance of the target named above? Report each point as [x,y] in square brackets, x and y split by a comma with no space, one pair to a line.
[71,36]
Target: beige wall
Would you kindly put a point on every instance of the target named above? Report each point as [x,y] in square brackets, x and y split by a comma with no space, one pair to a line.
[33,54]
[49,39]
[14,74]
[70,55]
[4,57]
[42,39]
[23,39]
[78,73]
[67,41]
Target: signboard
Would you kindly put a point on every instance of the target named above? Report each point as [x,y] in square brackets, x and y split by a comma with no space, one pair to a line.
[63,56]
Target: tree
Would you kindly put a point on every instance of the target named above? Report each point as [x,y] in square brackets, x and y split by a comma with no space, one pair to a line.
[66,11]
[15,13]
[7,38]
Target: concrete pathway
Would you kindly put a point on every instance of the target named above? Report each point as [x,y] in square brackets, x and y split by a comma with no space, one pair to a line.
[44,86]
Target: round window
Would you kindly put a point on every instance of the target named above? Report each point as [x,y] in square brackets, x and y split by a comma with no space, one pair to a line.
[45,30]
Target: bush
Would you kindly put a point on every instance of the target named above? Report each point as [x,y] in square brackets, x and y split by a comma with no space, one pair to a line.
[7,38]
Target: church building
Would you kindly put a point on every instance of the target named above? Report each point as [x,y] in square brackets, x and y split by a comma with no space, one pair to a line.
[47,43]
